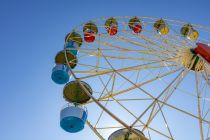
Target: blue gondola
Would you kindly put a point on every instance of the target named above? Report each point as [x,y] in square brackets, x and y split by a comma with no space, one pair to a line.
[72,47]
[60,74]
[73,118]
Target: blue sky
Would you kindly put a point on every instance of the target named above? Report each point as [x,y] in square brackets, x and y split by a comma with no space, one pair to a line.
[31,33]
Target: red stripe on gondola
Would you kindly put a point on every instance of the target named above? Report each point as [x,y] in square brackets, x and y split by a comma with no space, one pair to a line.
[89,37]
[203,50]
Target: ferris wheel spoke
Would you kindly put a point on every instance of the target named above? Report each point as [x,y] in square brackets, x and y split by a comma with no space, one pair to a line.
[140,84]
[172,86]
[92,66]
[118,102]
[147,53]
[186,92]
[84,50]
[136,67]
[203,99]
[144,46]
[105,85]
[95,131]
[109,92]
[102,111]
[150,115]
[137,77]
[114,127]
[101,94]
[165,120]
[104,89]
[185,41]
[158,98]
[155,43]
[177,88]
[204,116]
[160,133]
[207,135]
[127,99]
[121,57]
[123,84]
[206,77]
[149,134]
[198,105]
[173,47]
[183,111]
[126,78]
[137,43]
[150,128]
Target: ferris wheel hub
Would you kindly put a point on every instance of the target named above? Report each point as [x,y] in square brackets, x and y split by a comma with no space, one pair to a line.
[190,59]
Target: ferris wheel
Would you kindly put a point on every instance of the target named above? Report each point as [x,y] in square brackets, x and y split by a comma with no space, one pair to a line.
[136,78]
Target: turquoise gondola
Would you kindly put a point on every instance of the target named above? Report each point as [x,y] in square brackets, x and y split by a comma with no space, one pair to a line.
[73,118]
[60,74]
[72,47]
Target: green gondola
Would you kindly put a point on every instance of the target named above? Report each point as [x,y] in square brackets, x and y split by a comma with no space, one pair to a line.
[60,59]
[74,93]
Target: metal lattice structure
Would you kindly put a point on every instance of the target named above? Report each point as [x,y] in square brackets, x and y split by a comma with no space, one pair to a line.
[149,80]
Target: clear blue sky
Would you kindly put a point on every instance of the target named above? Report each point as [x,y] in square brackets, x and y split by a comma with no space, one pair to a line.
[32,31]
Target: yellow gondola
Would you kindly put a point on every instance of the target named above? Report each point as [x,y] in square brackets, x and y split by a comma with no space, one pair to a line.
[161,27]
[189,32]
